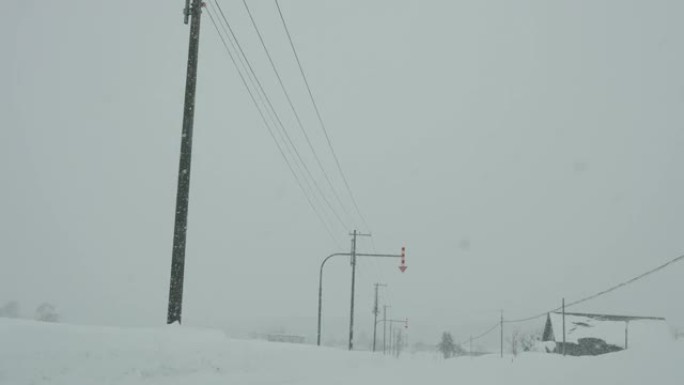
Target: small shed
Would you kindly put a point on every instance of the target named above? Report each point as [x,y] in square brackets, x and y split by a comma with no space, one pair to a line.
[594,334]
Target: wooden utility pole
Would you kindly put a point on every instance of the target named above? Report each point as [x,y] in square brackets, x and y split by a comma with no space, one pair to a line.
[353,283]
[626,334]
[564,326]
[193,12]
[375,313]
[501,327]
[384,329]
[391,339]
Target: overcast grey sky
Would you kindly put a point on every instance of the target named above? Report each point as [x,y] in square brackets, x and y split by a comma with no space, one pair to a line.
[522,151]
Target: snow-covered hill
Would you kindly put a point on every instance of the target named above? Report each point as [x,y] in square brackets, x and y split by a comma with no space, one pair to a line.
[40,353]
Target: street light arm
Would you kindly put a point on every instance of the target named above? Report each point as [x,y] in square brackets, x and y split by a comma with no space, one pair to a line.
[320,293]
[328,257]
[379,255]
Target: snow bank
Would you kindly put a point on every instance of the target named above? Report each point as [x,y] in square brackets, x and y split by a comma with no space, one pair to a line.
[38,353]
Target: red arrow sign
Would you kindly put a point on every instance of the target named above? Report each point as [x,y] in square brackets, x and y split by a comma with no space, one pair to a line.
[403,266]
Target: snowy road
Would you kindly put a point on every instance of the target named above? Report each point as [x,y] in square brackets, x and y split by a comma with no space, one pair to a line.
[38,353]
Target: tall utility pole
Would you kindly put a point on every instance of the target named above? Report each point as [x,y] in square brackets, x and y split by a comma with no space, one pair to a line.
[375,313]
[353,283]
[193,12]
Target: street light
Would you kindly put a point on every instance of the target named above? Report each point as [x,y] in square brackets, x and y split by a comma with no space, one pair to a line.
[320,279]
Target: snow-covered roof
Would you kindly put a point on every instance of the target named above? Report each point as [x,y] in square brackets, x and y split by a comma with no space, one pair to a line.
[609,328]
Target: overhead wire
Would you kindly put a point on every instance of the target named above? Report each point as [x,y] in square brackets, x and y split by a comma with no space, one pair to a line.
[577,302]
[275,115]
[323,127]
[270,131]
[482,335]
[603,292]
[270,112]
[295,113]
[293,109]
[325,132]
[320,118]
[627,282]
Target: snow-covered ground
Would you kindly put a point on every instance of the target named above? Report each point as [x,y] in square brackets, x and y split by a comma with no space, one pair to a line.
[40,353]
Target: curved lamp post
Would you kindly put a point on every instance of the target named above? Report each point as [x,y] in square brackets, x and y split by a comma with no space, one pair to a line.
[320,280]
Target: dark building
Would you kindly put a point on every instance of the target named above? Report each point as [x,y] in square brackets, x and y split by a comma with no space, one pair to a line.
[594,334]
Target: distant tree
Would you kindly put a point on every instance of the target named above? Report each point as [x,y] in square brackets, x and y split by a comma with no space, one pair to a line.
[529,341]
[447,346]
[523,341]
[10,310]
[47,313]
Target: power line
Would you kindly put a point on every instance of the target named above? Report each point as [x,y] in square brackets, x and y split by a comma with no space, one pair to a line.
[606,291]
[487,332]
[251,76]
[579,301]
[279,121]
[532,317]
[320,118]
[270,130]
[322,125]
[272,112]
[625,283]
[294,110]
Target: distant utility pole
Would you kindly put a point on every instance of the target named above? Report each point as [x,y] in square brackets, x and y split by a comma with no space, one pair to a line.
[375,312]
[384,329]
[192,11]
[353,283]
[391,340]
[564,344]
[385,321]
[626,334]
[501,327]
